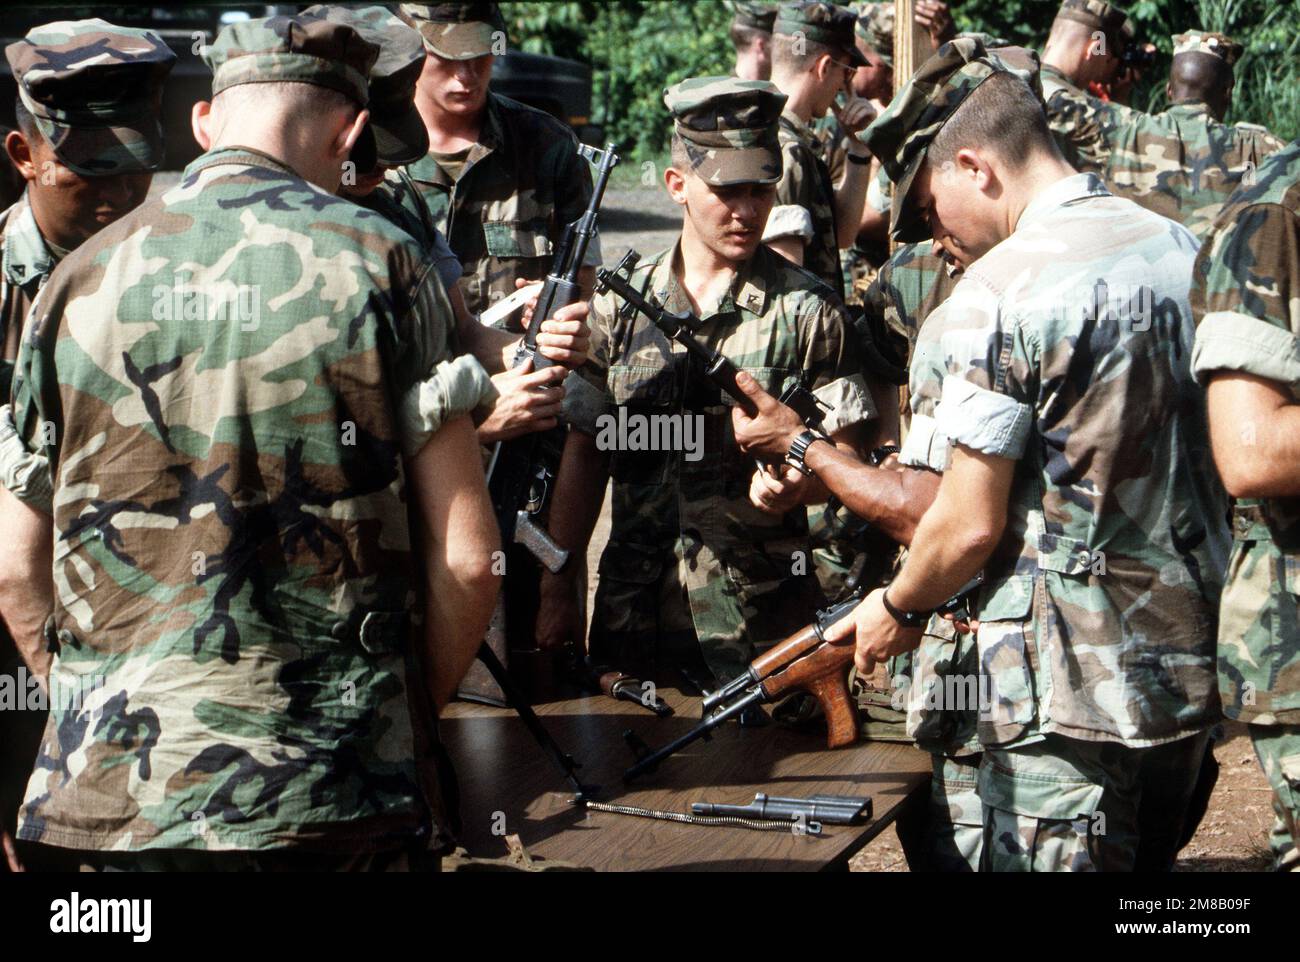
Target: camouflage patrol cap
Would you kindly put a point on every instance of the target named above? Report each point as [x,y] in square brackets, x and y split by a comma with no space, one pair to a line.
[400,135]
[1106,17]
[822,23]
[292,50]
[95,91]
[752,15]
[457,31]
[1204,41]
[729,128]
[876,26]
[901,135]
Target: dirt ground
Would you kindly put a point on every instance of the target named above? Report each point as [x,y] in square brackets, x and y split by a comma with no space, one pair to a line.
[1233,836]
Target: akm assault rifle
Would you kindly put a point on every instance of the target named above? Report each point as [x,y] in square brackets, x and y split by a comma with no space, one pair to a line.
[805,661]
[717,368]
[518,477]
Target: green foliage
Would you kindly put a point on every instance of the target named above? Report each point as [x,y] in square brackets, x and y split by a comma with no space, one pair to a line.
[1268,75]
[638,47]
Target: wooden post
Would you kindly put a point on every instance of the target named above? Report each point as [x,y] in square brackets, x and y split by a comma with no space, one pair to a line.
[911,49]
[911,43]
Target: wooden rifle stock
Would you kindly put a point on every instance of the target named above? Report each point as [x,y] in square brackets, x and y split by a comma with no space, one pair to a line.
[805,661]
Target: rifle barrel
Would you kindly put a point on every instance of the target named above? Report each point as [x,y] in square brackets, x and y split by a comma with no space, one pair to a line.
[651,761]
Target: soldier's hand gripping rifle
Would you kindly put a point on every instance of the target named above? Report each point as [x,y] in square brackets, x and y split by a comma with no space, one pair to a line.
[716,366]
[518,477]
[805,661]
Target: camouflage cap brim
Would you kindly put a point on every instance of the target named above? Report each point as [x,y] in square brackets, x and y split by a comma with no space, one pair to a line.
[292,50]
[823,23]
[399,133]
[730,166]
[94,91]
[459,41]
[728,128]
[906,225]
[400,138]
[127,147]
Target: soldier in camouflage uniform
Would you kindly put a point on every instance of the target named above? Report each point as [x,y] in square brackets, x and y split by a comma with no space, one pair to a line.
[1085,45]
[751,35]
[84,166]
[813,59]
[691,566]
[1246,299]
[1184,163]
[80,173]
[874,33]
[240,390]
[526,401]
[947,834]
[503,180]
[1067,399]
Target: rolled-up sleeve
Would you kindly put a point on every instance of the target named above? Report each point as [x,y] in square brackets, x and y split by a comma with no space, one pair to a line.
[985,403]
[788,221]
[848,402]
[983,420]
[1229,341]
[1246,297]
[433,384]
[23,472]
[456,387]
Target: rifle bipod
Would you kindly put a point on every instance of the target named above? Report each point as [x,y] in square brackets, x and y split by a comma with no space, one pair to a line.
[581,793]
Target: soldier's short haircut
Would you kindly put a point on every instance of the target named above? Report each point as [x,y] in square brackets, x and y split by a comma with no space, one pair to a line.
[1002,113]
[677,155]
[25,122]
[795,53]
[300,99]
[1197,76]
[742,37]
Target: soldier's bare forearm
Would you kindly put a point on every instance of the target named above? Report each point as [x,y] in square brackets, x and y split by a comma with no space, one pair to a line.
[892,497]
[26,583]
[494,349]
[958,533]
[1255,434]
[460,538]
[850,198]
[873,228]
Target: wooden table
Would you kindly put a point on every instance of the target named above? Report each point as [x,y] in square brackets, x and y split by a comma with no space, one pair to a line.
[510,786]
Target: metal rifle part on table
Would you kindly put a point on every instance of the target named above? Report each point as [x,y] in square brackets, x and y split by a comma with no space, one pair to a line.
[581,792]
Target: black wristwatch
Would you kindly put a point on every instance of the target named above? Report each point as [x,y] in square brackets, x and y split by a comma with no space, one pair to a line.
[878,455]
[908,619]
[799,447]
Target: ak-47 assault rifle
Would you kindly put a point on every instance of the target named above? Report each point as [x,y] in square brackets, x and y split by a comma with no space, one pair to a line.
[805,661]
[518,477]
[717,367]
